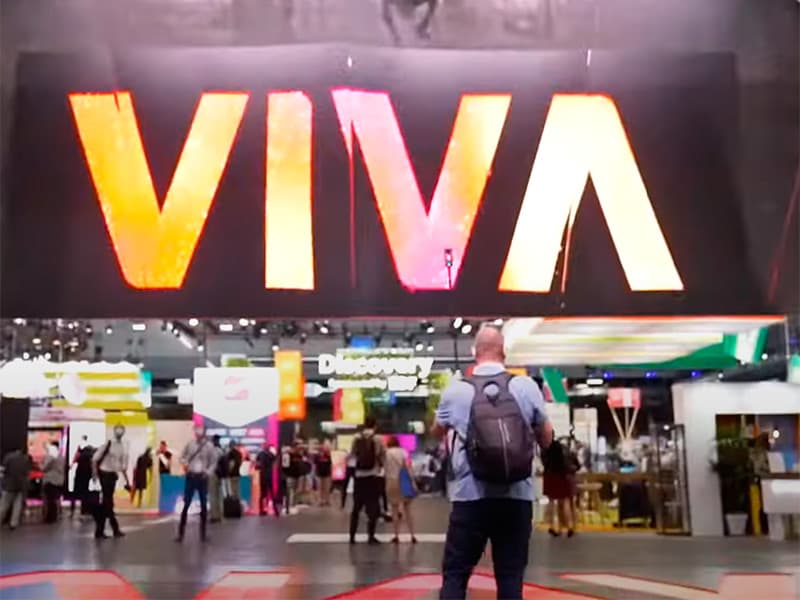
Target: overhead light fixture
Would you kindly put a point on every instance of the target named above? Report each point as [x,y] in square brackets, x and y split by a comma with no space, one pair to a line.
[200,347]
[194,322]
[595,381]
[303,337]
[139,326]
[263,331]
[427,326]
[430,346]
[56,342]
[324,329]
[109,330]
[226,327]
[36,341]
[19,321]
[466,328]
[419,346]
[244,322]
[498,322]
[457,322]
[764,356]
[276,345]
[47,356]
[182,381]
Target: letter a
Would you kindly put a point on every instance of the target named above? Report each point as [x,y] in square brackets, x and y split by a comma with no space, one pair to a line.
[418,239]
[583,136]
[154,247]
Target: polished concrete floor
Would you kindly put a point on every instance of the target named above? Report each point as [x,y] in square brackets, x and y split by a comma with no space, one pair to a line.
[306,556]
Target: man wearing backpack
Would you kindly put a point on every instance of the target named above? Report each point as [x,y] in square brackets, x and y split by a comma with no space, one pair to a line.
[491,420]
[368,452]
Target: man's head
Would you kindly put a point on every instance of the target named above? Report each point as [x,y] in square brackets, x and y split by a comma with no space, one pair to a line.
[199,432]
[489,345]
[369,423]
[215,440]
[119,431]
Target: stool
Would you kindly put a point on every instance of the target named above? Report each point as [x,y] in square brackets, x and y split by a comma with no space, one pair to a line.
[589,502]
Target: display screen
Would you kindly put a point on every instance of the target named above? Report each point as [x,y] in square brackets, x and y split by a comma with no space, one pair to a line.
[327,181]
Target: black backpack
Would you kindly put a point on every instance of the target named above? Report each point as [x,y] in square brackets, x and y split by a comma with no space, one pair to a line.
[499,442]
[366,453]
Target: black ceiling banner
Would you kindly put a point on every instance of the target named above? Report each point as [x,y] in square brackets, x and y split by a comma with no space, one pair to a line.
[314,181]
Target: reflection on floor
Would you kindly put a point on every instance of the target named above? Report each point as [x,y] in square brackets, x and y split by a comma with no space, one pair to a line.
[251,559]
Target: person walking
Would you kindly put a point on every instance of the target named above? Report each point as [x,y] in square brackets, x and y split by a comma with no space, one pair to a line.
[369,453]
[109,461]
[215,480]
[83,474]
[141,475]
[323,467]
[199,459]
[17,466]
[400,488]
[349,474]
[490,420]
[53,478]
[234,477]
[265,464]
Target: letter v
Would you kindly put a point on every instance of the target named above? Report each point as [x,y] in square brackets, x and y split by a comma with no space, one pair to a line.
[154,247]
[417,239]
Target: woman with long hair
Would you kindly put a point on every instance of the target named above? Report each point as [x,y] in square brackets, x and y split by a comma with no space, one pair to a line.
[400,487]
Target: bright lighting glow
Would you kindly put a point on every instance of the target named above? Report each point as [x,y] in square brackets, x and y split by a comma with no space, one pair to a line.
[185,341]
[323,329]
[457,322]
[200,347]
[595,381]
[109,330]
[466,329]
[139,326]
[430,328]
[498,322]
[415,233]
[276,347]
[430,347]
[154,246]
[182,381]
[194,322]
[764,356]
[419,347]
[226,327]
[25,355]
[289,241]
[244,322]
[584,137]
[36,341]
[775,434]
[47,356]
[19,321]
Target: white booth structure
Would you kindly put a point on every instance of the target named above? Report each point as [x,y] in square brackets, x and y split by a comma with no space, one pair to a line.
[696,406]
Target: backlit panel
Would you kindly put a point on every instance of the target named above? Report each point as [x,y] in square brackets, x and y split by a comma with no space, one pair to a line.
[154,247]
[289,239]
[418,239]
[583,136]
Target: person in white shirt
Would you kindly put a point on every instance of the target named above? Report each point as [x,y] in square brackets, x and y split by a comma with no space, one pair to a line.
[199,460]
[109,461]
[395,464]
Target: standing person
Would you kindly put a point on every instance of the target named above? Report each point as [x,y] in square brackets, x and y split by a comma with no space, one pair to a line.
[399,492]
[141,474]
[491,419]
[53,477]
[349,474]
[17,466]
[557,486]
[369,454]
[83,474]
[164,459]
[109,461]
[215,480]
[235,460]
[265,464]
[323,463]
[199,459]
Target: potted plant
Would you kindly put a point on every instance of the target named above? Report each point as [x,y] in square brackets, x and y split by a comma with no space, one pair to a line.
[734,468]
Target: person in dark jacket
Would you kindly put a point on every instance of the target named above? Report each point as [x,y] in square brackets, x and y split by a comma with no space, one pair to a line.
[265,463]
[141,473]
[17,467]
[83,474]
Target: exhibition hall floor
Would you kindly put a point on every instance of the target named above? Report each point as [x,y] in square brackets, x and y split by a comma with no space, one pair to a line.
[306,556]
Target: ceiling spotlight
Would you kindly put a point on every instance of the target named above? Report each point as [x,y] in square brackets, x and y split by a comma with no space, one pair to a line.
[263,331]
[419,346]
[200,347]
[497,322]
[89,330]
[457,322]
[139,326]
[194,322]
[109,330]
[244,322]
[56,342]
[595,381]
[466,329]
[19,321]
[324,329]
[427,327]
[430,346]
[36,341]
[276,345]
[47,356]
[226,327]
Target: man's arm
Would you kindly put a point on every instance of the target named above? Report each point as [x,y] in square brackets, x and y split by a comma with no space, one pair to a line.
[542,427]
[442,419]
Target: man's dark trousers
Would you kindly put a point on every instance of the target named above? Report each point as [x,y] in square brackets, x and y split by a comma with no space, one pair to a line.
[366,495]
[195,482]
[504,522]
[267,494]
[108,483]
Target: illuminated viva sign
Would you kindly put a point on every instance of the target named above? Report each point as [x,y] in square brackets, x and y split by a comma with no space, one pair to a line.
[394,371]
[583,137]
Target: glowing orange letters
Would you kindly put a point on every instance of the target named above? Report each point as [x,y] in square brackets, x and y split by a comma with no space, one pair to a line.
[418,240]
[154,247]
[583,136]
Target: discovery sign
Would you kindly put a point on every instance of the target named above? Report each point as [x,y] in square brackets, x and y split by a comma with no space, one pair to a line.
[322,181]
[393,370]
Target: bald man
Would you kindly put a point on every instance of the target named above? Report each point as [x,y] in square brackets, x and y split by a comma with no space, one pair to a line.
[481,510]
